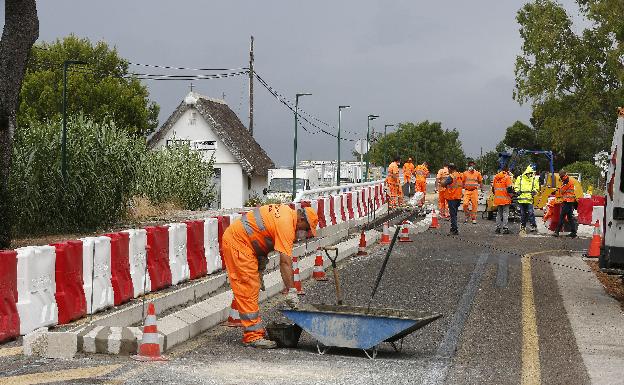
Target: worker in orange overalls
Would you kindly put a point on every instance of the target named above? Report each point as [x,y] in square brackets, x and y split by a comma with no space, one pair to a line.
[502,187]
[422,172]
[393,182]
[453,193]
[246,244]
[408,172]
[473,183]
[443,173]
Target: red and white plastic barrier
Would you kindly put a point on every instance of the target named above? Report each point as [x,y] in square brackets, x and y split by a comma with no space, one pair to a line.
[96,273]
[137,246]
[178,261]
[36,286]
[211,245]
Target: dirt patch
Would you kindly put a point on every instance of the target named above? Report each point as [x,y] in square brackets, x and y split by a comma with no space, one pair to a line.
[613,284]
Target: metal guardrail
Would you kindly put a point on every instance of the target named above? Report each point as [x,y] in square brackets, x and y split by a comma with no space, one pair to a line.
[315,193]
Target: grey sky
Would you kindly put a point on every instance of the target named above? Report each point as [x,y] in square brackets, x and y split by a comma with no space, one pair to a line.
[406,60]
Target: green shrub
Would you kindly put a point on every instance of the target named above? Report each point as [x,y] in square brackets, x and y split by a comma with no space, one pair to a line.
[102,166]
[106,168]
[176,174]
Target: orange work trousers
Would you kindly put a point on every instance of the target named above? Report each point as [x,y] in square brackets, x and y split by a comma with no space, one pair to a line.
[421,186]
[471,203]
[395,195]
[242,269]
[442,204]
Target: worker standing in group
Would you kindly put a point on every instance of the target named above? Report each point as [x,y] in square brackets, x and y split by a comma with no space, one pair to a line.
[246,245]
[422,172]
[473,183]
[502,189]
[453,193]
[408,172]
[393,182]
[526,187]
[566,193]
[443,173]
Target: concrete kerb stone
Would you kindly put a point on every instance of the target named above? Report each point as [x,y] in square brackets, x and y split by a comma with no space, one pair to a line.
[47,344]
[109,334]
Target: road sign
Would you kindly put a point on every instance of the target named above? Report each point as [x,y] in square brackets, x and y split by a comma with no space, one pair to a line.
[361,147]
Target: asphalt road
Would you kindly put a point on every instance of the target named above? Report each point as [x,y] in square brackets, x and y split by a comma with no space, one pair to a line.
[487,334]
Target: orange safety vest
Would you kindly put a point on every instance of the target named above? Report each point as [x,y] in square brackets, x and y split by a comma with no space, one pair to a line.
[472,180]
[441,176]
[454,190]
[408,168]
[260,237]
[567,192]
[393,173]
[500,184]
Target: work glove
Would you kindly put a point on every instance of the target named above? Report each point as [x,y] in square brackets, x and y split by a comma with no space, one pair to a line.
[292,299]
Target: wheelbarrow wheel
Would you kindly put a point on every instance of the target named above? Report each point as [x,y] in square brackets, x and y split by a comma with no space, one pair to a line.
[373,354]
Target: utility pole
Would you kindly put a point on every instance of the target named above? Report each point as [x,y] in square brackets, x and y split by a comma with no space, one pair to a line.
[340,108]
[251,82]
[370,117]
[294,179]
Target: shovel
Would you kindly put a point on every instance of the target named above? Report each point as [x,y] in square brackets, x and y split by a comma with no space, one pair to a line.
[334,271]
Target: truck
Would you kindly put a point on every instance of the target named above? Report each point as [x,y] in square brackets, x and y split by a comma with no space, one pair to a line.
[280,182]
[612,251]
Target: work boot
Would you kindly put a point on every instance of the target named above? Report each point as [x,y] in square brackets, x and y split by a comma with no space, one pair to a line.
[262,344]
[498,230]
[572,235]
[466,220]
[454,232]
[522,230]
[533,229]
[506,230]
[556,234]
[474,221]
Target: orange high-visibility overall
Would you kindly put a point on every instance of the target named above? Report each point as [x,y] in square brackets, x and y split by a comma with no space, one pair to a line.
[472,181]
[394,185]
[408,171]
[253,236]
[501,182]
[421,178]
[442,205]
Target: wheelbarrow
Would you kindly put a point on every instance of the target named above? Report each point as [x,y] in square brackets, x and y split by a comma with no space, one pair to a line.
[358,327]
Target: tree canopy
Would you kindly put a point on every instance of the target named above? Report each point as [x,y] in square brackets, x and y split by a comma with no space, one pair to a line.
[574,81]
[424,141]
[102,89]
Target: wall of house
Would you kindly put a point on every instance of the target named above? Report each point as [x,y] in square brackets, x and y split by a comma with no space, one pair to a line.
[258,183]
[233,179]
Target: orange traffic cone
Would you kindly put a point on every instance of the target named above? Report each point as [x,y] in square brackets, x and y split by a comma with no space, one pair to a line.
[404,237]
[233,320]
[385,236]
[149,349]
[596,242]
[434,220]
[296,276]
[362,246]
[319,271]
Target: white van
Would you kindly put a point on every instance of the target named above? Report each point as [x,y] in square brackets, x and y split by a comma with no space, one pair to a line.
[280,182]
[612,255]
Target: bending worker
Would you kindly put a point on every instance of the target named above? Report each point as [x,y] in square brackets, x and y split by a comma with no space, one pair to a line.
[394,183]
[246,244]
[566,192]
[408,172]
[473,183]
[526,187]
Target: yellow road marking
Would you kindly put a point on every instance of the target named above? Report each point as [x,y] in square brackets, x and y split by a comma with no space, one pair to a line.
[59,375]
[530,339]
[6,352]
[531,371]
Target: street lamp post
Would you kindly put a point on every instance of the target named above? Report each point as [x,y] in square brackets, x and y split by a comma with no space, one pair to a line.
[66,64]
[294,181]
[370,117]
[340,108]
[386,147]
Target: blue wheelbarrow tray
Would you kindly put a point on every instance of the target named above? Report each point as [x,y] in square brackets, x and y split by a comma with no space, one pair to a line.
[357,327]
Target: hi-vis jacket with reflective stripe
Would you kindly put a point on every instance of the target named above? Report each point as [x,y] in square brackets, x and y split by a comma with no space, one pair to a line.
[501,182]
[526,186]
[566,192]
[454,188]
[421,172]
[472,180]
[267,228]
